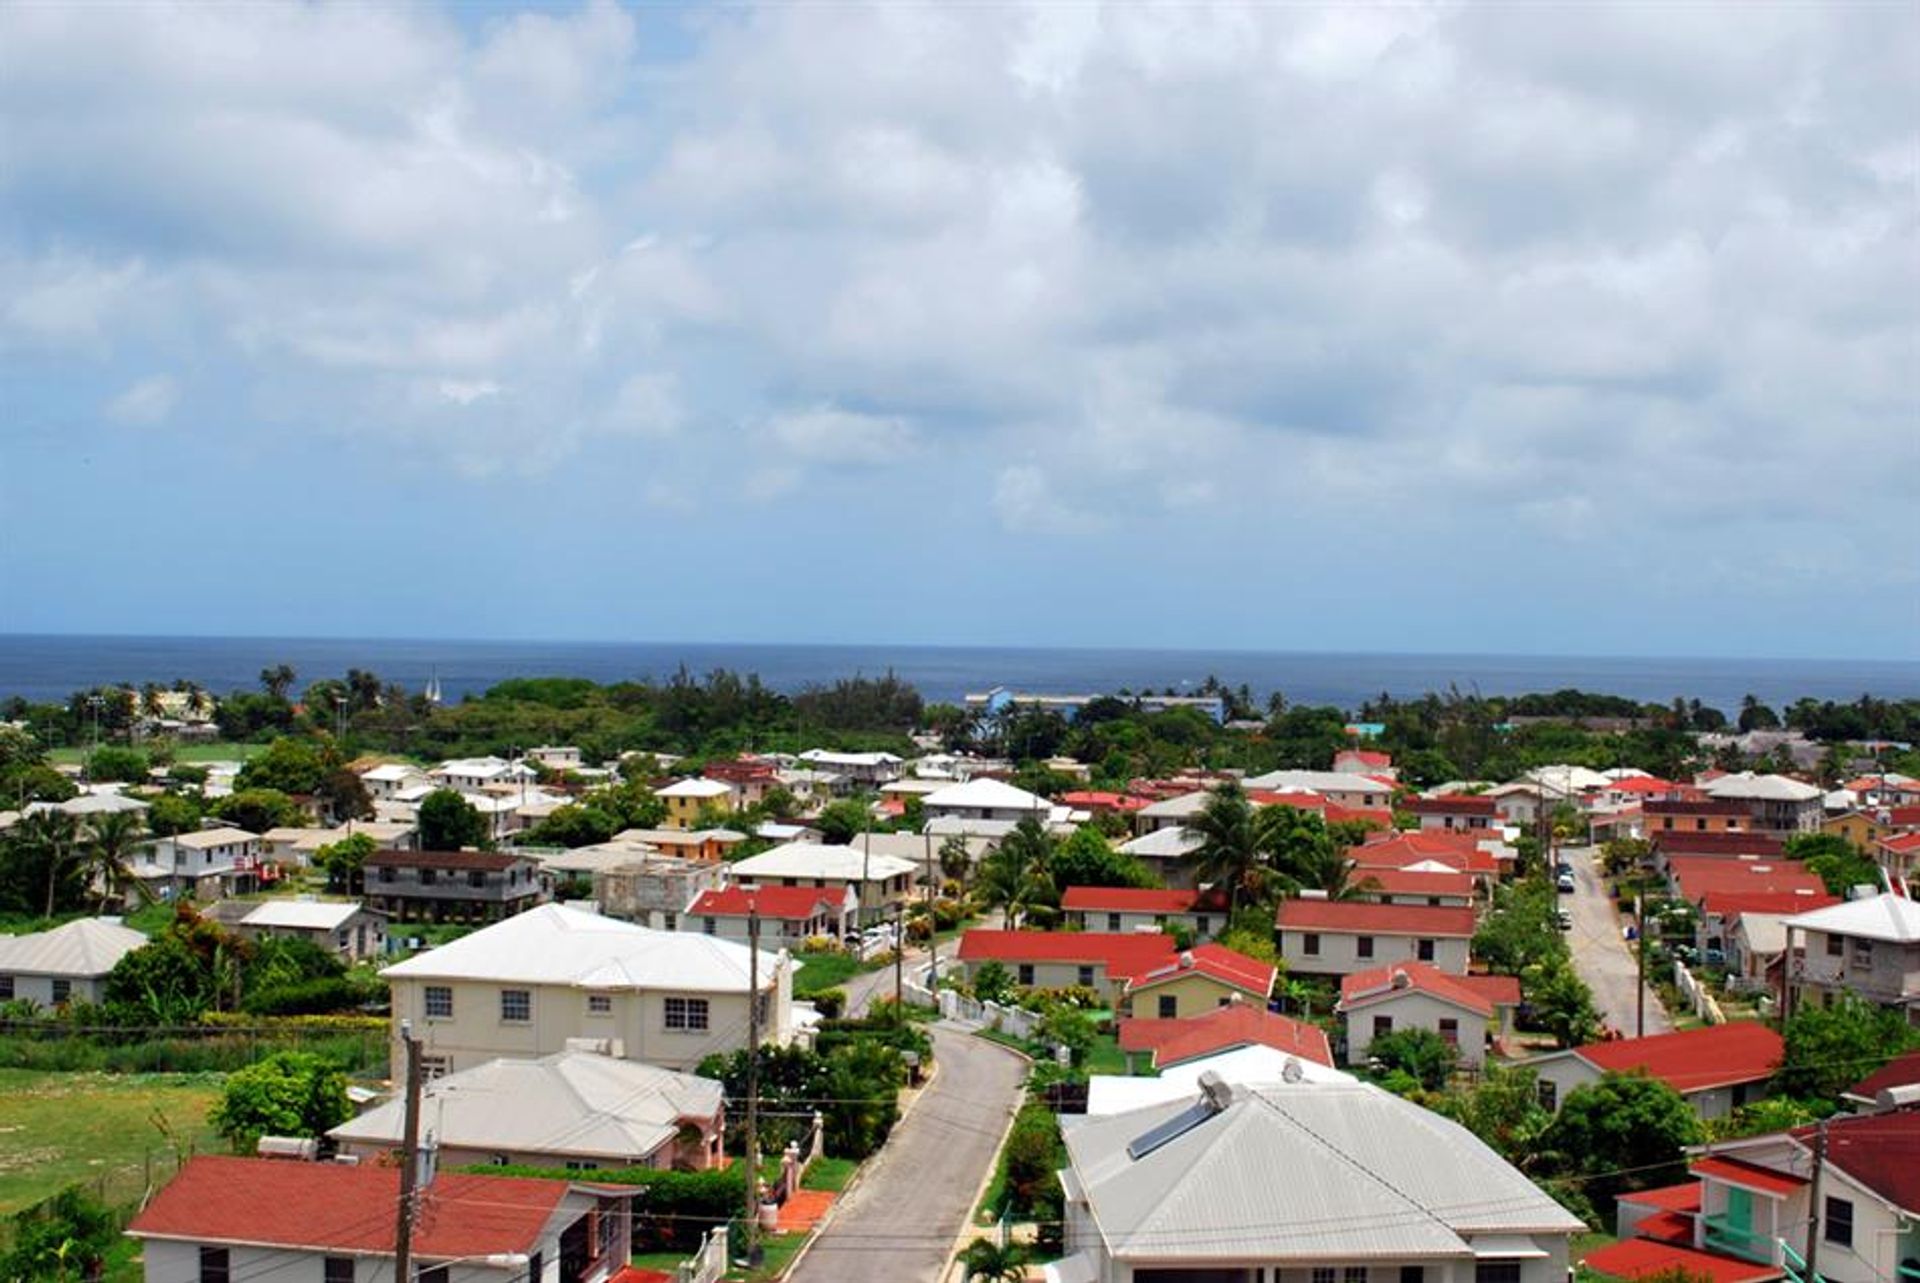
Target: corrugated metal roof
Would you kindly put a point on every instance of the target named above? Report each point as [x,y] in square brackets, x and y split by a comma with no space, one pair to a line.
[84,947]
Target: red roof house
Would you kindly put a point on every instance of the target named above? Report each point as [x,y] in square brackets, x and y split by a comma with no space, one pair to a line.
[1636,1258]
[1717,1068]
[1238,1024]
[1122,963]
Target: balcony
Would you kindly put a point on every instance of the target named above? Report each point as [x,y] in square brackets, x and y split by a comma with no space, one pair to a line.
[1723,1236]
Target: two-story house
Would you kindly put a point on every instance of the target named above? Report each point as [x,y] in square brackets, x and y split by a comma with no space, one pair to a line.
[877,883]
[687,800]
[984,799]
[1775,803]
[861,770]
[528,985]
[1340,937]
[1869,948]
[452,886]
[204,864]
[223,1220]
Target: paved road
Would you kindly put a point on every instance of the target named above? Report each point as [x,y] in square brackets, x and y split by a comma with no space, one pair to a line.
[901,1221]
[1600,953]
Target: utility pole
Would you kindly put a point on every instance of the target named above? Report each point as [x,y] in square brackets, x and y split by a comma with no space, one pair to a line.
[753,1080]
[1640,965]
[409,1160]
[1816,1210]
[933,926]
[900,963]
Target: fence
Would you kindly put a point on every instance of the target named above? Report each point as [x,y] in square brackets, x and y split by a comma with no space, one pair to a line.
[797,1159]
[707,1264]
[1016,1021]
[1697,995]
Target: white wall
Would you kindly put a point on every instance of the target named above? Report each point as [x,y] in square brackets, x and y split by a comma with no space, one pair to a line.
[1411,1009]
[1339,953]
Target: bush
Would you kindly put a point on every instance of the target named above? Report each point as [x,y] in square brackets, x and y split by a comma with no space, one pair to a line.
[67,1236]
[319,996]
[290,1093]
[830,1003]
[678,1208]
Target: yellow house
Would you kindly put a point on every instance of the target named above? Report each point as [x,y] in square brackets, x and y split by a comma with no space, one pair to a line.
[1859,828]
[1198,981]
[687,799]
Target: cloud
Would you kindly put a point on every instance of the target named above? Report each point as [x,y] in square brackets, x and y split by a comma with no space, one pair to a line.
[825,434]
[146,403]
[1025,502]
[467,391]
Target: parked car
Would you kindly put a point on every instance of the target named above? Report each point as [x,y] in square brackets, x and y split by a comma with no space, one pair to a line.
[1564,884]
[1564,920]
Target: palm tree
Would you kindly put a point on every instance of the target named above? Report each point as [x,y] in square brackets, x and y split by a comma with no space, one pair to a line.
[1230,853]
[51,836]
[995,1262]
[112,840]
[956,860]
[1019,873]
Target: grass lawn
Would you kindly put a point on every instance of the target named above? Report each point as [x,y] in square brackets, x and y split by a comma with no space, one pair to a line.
[823,971]
[217,751]
[59,1129]
[1105,1057]
[831,1174]
[778,1251]
[1581,1244]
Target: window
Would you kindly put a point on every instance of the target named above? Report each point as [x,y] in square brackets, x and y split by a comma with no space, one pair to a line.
[709,925]
[1836,947]
[476,878]
[1113,922]
[1026,973]
[337,1269]
[599,1004]
[689,1015]
[1310,944]
[1169,1006]
[6,988]
[533,1268]
[1423,950]
[1485,1271]
[1363,946]
[1202,925]
[429,876]
[1413,1274]
[1549,1094]
[1862,957]
[516,1006]
[582,1165]
[1085,977]
[213,1265]
[386,873]
[1354,1274]
[1382,1025]
[439,1002]
[432,1067]
[438,1274]
[1839,1221]
[1324,1274]
[1450,1030]
[500,1160]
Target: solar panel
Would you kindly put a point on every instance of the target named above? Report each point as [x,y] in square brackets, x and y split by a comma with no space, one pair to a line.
[1171,1130]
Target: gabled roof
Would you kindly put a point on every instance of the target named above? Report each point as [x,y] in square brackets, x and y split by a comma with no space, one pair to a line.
[1320,782]
[1698,876]
[792,904]
[1128,900]
[1125,954]
[983,794]
[1634,1258]
[1880,1151]
[84,948]
[834,863]
[1733,1171]
[572,1102]
[1901,1071]
[1238,1024]
[1902,844]
[1185,806]
[1401,849]
[330,1207]
[207,839]
[1368,1175]
[1889,917]
[1217,962]
[302,915]
[695,787]
[1362,917]
[1693,1059]
[1414,881]
[1762,788]
[557,945]
[1366,988]
[1169,843]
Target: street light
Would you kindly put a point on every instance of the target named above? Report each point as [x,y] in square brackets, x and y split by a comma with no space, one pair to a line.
[492,1260]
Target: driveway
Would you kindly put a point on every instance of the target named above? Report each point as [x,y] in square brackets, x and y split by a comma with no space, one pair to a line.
[900,1222]
[1600,953]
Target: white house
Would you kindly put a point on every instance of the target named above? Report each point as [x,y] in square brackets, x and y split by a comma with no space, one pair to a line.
[1868,947]
[1303,1181]
[203,863]
[982,799]
[1339,787]
[1340,937]
[389,778]
[473,774]
[231,1219]
[1467,1012]
[67,964]
[344,927]
[530,984]
[878,882]
[867,770]
[574,1109]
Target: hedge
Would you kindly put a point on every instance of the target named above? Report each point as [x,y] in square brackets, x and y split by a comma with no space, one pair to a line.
[677,1209]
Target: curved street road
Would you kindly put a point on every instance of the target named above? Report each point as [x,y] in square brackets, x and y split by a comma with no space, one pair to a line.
[901,1222]
[1600,953]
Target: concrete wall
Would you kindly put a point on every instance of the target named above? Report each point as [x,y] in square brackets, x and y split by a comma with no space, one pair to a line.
[1411,1009]
[1339,953]
[39,989]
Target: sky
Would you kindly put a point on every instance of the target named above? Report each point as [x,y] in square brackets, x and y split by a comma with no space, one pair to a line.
[1569,329]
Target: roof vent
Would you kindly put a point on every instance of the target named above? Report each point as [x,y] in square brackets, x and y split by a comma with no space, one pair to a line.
[1186,960]
[1291,1072]
[1901,1097]
[1401,980]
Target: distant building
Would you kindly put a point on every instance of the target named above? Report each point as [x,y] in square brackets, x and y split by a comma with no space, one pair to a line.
[1341,937]
[67,964]
[342,927]
[993,703]
[687,800]
[452,886]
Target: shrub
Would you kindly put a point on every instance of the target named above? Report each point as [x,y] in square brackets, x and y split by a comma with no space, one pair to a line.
[830,1002]
[677,1209]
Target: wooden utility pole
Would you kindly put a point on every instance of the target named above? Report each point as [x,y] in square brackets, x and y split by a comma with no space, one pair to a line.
[1640,965]
[753,1080]
[900,963]
[409,1160]
[1816,1211]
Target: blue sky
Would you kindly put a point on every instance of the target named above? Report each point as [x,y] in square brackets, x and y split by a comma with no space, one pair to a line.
[1519,328]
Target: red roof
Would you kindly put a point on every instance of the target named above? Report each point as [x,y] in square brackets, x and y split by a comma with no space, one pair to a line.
[795,904]
[1696,877]
[1125,954]
[1127,900]
[1095,800]
[1413,882]
[1731,904]
[1366,757]
[1693,1059]
[1881,1151]
[1749,1175]
[1684,1197]
[1901,1071]
[1643,784]
[1455,850]
[331,1207]
[1501,991]
[1683,842]
[1667,1227]
[1365,987]
[1297,800]
[1360,917]
[1903,816]
[1634,1258]
[1902,844]
[1453,804]
[1238,1024]
[1218,962]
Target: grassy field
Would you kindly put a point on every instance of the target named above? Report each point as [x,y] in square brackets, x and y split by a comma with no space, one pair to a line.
[823,971]
[217,751]
[100,1130]
[830,1174]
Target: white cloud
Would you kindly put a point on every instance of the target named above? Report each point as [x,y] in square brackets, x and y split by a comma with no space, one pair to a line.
[467,391]
[146,403]
[825,434]
[1025,502]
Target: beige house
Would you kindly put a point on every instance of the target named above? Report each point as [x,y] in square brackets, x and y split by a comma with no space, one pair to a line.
[1869,948]
[66,964]
[877,882]
[343,927]
[1341,937]
[538,982]
[1468,1012]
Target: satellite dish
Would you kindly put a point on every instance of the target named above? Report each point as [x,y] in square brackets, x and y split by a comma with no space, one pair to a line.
[1291,1072]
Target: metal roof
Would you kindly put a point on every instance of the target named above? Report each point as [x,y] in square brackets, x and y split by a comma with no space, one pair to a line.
[84,947]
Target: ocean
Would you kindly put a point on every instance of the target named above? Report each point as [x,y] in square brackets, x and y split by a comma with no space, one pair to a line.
[45,668]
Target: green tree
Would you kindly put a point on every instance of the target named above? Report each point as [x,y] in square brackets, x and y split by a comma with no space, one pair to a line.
[992,982]
[257,810]
[66,1237]
[163,982]
[172,813]
[1087,859]
[1561,1002]
[1231,850]
[344,862]
[956,859]
[112,839]
[994,1262]
[1833,860]
[1503,1109]
[290,1093]
[115,762]
[1624,1132]
[48,843]
[343,795]
[1018,876]
[842,821]
[1832,1047]
[290,764]
[448,822]
[277,680]
[1421,1054]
